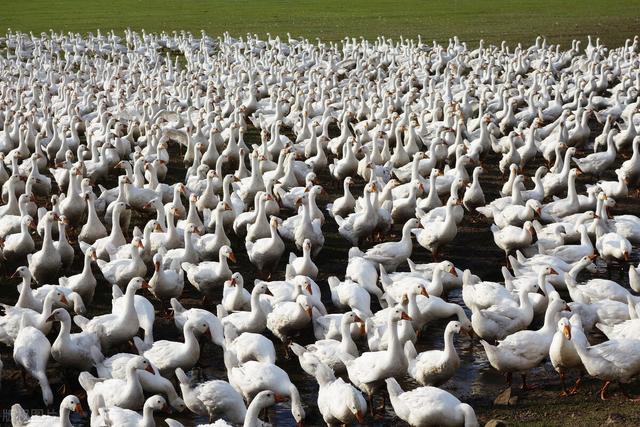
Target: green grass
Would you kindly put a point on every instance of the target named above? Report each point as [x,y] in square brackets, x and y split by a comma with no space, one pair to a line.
[493,20]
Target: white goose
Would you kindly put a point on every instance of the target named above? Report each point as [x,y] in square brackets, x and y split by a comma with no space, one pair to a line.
[119,417]
[426,406]
[169,355]
[213,399]
[369,369]
[31,351]
[435,367]
[253,377]
[20,418]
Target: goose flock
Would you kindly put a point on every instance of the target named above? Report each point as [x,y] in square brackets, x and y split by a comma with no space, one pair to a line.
[207,186]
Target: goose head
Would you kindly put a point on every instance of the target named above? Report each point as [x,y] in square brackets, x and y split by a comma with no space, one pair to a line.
[59,315]
[397,314]
[261,288]
[236,280]
[267,398]
[228,252]
[22,272]
[72,403]
[141,363]
[156,403]
[137,283]
[157,261]
[564,326]
[303,302]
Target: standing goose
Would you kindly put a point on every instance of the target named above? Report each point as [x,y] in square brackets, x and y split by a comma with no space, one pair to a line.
[76,350]
[46,262]
[369,369]
[114,328]
[209,275]
[20,418]
[125,393]
[435,367]
[391,254]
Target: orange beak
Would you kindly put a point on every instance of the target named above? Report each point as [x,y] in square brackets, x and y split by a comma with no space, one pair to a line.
[232,257]
[566,330]
[64,300]
[145,285]
[79,409]
[405,316]
[453,271]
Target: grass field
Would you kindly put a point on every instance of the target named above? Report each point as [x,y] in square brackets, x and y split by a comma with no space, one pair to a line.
[493,20]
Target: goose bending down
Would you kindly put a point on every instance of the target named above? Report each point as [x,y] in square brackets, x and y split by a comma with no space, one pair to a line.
[181,315]
[31,351]
[20,418]
[247,346]
[435,367]
[213,399]
[169,355]
[263,400]
[253,377]
[339,402]
[125,393]
[120,417]
[289,317]
[371,368]
[426,406]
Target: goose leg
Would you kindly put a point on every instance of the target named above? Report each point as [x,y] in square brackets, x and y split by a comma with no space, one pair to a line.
[576,386]
[604,389]
[526,386]
[627,395]
[372,408]
[564,392]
